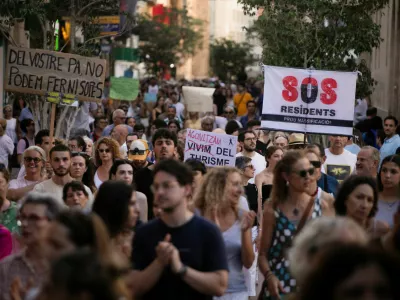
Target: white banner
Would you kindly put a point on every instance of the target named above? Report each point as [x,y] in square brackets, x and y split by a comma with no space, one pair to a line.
[309,100]
[213,149]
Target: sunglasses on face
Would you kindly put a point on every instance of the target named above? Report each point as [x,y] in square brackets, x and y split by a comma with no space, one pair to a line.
[104,150]
[303,173]
[316,163]
[137,152]
[250,166]
[29,159]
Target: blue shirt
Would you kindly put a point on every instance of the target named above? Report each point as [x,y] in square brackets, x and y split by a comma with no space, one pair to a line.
[353,148]
[389,147]
[328,184]
[25,114]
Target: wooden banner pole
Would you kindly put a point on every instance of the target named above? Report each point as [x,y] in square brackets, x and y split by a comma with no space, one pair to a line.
[52,120]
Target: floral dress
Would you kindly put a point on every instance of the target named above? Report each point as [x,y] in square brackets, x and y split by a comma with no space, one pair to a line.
[8,218]
[281,241]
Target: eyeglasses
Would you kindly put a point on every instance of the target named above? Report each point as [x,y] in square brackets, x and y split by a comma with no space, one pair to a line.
[104,150]
[316,163]
[31,218]
[250,139]
[250,166]
[165,186]
[303,173]
[29,159]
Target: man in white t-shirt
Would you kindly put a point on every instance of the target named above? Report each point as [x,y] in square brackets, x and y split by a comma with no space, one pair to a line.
[248,140]
[60,159]
[339,162]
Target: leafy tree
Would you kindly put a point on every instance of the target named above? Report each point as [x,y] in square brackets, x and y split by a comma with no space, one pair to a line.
[228,57]
[324,34]
[168,39]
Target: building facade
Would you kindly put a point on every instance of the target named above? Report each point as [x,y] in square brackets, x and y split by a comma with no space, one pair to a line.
[385,61]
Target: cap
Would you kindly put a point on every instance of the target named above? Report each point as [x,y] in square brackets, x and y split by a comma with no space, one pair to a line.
[138,150]
[296,139]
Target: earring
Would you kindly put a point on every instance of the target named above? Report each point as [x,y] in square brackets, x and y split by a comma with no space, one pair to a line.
[287,183]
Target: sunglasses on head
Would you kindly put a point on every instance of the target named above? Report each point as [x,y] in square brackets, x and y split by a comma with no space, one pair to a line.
[104,150]
[316,163]
[303,173]
[29,159]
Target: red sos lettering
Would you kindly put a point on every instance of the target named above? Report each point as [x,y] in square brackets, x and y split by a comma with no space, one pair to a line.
[309,90]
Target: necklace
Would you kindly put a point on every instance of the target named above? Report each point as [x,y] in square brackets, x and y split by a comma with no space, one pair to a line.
[390,205]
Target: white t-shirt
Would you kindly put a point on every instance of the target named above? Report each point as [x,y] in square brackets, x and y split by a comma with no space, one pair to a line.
[258,162]
[49,186]
[179,109]
[340,166]
[6,149]
[19,183]
[153,89]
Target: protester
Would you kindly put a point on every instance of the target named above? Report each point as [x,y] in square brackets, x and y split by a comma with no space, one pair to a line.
[5,242]
[357,198]
[392,140]
[241,99]
[368,162]
[246,168]
[199,171]
[353,272]
[8,209]
[75,195]
[280,141]
[172,115]
[106,152]
[159,108]
[181,135]
[77,144]
[13,129]
[118,118]
[116,205]
[247,140]
[60,159]
[264,179]
[130,121]
[207,124]
[339,162]
[122,170]
[163,271]
[285,215]
[193,122]
[388,186]
[138,154]
[83,274]
[251,114]
[174,126]
[100,122]
[89,146]
[6,143]
[351,147]
[34,159]
[317,236]
[129,139]
[28,128]
[36,213]
[164,144]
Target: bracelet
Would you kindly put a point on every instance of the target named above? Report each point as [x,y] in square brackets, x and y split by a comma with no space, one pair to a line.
[182,271]
[267,273]
[269,276]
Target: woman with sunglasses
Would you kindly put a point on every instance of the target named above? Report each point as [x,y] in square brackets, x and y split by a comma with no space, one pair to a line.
[8,209]
[357,199]
[107,151]
[34,160]
[290,206]
[264,180]
[389,189]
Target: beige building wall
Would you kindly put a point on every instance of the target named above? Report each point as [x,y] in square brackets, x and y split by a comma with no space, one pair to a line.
[384,61]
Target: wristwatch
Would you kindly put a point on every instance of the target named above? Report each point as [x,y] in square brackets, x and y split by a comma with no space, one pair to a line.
[182,271]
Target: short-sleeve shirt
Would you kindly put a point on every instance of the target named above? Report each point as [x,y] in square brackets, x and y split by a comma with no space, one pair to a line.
[8,218]
[240,101]
[200,247]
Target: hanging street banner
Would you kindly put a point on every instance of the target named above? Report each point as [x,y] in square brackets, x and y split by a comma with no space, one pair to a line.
[213,149]
[310,101]
[41,72]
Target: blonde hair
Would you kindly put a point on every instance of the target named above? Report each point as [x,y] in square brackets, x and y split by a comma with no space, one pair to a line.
[211,193]
[112,144]
[318,234]
[42,156]
[280,189]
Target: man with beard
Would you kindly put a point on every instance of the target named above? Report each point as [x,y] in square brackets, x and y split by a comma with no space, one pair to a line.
[60,160]
[368,162]
[164,145]
[180,255]
[339,162]
[248,140]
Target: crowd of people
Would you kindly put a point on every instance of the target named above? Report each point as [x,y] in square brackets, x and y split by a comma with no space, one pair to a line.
[114,211]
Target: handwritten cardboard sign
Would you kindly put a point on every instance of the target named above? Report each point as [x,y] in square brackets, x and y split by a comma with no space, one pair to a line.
[198,99]
[213,149]
[39,72]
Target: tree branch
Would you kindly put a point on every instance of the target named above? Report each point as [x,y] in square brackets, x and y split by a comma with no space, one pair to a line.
[87,6]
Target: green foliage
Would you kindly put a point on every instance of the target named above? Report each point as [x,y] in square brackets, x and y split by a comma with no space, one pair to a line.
[324,34]
[229,57]
[164,44]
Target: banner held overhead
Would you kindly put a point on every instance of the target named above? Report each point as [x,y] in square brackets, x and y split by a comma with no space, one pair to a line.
[309,100]
[39,72]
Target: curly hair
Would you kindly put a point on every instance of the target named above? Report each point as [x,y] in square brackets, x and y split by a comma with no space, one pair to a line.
[112,144]
[212,191]
[348,186]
